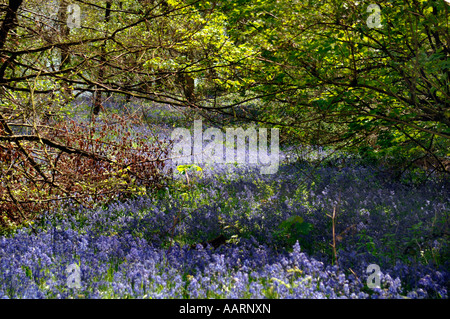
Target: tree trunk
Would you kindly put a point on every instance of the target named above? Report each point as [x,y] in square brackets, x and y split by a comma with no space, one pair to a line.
[8,22]
[64,31]
[7,25]
[101,71]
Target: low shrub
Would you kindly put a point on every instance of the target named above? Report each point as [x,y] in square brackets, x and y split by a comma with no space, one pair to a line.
[90,163]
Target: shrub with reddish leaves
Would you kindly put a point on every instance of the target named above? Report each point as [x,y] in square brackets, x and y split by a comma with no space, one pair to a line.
[90,163]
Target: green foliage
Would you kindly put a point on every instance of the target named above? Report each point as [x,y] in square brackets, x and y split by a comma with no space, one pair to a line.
[328,78]
[292,230]
[183,169]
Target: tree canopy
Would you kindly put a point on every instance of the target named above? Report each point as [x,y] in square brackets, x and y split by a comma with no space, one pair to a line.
[329,76]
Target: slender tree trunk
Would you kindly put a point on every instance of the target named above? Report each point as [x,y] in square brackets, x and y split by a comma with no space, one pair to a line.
[101,71]
[188,88]
[64,33]
[7,25]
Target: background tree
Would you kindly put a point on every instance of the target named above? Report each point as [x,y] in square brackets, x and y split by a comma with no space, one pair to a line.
[327,77]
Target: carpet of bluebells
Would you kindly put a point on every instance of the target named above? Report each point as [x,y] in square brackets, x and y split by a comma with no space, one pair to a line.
[278,235]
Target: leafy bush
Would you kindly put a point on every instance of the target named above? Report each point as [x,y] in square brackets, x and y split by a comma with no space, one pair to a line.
[292,230]
[89,163]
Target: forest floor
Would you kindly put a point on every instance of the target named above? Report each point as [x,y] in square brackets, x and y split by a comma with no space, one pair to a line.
[320,227]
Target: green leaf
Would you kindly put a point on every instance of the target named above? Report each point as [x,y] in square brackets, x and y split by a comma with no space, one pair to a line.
[291,221]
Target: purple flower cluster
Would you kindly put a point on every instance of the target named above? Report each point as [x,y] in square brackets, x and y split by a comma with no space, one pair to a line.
[127,267]
[154,246]
[33,266]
